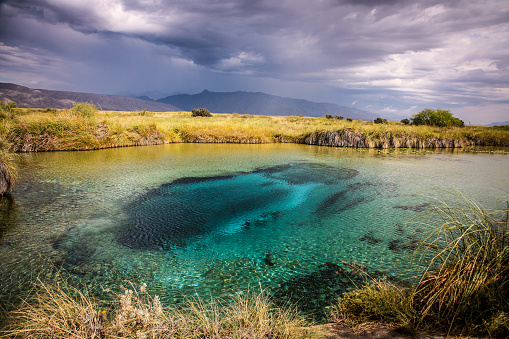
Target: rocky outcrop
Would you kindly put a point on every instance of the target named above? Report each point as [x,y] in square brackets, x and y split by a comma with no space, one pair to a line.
[349,138]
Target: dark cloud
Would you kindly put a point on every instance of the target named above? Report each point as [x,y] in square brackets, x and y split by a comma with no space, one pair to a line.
[406,51]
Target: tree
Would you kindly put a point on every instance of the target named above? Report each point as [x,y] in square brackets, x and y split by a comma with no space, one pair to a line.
[380,121]
[436,117]
[405,121]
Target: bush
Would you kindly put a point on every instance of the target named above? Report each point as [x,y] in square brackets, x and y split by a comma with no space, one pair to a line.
[405,121]
[436,117]
[380,121]
[340,117]
[83,109]
[201,112]
[329,116]
[349,119]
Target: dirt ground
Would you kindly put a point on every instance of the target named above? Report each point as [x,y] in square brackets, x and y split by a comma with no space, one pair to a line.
[374,331]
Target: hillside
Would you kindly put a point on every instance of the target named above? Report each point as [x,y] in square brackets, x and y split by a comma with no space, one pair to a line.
[262,104]
[40,98]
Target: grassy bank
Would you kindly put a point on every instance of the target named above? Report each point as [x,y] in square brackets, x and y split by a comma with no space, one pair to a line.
[48,129]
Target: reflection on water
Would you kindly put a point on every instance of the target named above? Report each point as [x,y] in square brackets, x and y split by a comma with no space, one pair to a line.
[216,219]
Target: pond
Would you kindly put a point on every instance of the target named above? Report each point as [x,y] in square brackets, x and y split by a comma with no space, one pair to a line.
[217,219]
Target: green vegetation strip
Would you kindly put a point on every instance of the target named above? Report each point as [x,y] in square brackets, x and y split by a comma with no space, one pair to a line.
[84,128]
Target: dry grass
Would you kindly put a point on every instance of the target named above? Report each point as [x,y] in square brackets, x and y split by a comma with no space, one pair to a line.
[59,312]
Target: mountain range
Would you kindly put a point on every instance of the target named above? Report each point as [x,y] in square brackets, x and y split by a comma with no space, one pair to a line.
[216,102]
[262,104]
[41,98]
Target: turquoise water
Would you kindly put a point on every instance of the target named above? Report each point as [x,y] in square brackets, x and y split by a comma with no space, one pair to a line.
[217,219]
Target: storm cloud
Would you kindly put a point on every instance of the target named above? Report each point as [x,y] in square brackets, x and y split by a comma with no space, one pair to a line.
[394,56]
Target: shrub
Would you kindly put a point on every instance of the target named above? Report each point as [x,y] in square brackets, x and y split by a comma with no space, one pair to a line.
[83,109]
[380,121]
[349,119]
[436,117]
[340,117]
[201,112]
[329,116]
[405,121]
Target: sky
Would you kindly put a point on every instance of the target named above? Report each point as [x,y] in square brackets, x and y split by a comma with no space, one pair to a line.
[383,56]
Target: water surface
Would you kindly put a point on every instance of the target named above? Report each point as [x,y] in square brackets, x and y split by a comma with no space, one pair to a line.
[216,219]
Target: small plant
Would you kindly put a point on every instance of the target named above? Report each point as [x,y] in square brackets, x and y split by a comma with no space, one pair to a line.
[83,109]
[201,112]
[380,121]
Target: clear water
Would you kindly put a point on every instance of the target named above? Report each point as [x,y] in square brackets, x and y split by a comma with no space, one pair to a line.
[216,219]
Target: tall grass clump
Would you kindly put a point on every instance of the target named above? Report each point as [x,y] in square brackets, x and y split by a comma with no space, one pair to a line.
[61,312]
[467,285]
[8,167]
[7,109]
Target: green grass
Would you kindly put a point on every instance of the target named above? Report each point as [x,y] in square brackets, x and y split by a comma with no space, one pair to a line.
[83,128]
[64,312]
[465,289]
[8,167]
